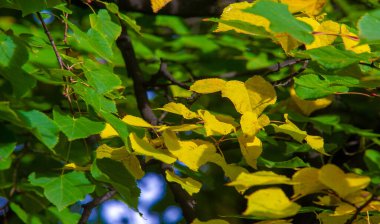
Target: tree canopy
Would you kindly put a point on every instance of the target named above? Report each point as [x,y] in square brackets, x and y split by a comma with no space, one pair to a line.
[253,112]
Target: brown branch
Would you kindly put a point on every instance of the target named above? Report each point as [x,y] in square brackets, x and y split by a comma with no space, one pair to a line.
[359,209]
[164,72]
[287,80]
[87,208]
[126,48]
[47,32]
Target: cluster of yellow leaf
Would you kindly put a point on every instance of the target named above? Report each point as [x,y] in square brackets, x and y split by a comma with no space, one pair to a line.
[338,189]
[325,33]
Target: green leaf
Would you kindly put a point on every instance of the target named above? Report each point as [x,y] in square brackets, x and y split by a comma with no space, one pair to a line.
[100,103]
[113,8]
[65,216]
[120,127]
[101,79]
[6,113]
[313,87]
[371,159]
[289,164]
[29,6]
[333,58]
[369,25]
[64,190]
[76,128]
[102,23]
[122,180]
[13,54]
[6,150]
[282,21]
[23,215]
[41,126]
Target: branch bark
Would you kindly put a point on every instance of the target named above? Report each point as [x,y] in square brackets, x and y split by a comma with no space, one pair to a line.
[87,208]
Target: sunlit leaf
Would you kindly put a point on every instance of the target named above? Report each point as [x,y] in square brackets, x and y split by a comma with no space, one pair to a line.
[205,86]
[347,184]
[309,7]
[179,108]
[213,126]
[158,4]
[191,186]
[270,203]
[352,42]
[251,149]
[307,182]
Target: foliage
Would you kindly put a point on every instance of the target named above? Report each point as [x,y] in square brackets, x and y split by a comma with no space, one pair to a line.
[268,113]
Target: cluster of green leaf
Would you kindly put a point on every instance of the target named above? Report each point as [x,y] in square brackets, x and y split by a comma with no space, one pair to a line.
[268,113]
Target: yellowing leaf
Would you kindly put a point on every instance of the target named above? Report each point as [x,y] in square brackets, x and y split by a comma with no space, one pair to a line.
[251,124]
[73,166]
[291,129]
[144,148]
[307,182]
[328,218]
[324,33]
[351,41]
[136,121]
[238,94]
[182,127]
[179,108]
[287,42]
[247,180]
[190,185]
[130,161]
[108,132]
[347,184]
[158,4]
[251,149]
[213,221]
[270,203]
[234,12]
[309,106]
[205,86]
[213,126]
[309,7]
[316,143]
[261,93]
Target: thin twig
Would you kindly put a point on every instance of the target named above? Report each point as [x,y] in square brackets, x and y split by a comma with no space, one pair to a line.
[87,208]
[163,72]
[47,32]
[359,209]
[287,80]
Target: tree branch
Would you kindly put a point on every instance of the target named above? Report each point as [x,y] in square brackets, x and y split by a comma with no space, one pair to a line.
[126,48]
[359,209]
[47,32]
[87,208]
[164,72]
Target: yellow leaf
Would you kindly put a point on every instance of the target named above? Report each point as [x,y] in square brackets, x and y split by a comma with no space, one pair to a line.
[290,129]
[130,161]
[316,143]
[328,218]
[205,86]
[309,106]
[307,182]
[251,149]
[270,203]
[347,184]
[180,109]
[234,12]
[351,41]
[137,121]
[73,166]
[144,148]
[108,132]
[309,7]
[182,127]
[261,93]
[247,180]
[251,124]
[324,33]
[158,4]
[190,185]
[213,126]
[238,94]
[213,221]
[287,42]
